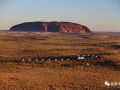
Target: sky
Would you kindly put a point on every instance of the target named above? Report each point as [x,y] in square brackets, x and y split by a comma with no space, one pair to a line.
[98,15]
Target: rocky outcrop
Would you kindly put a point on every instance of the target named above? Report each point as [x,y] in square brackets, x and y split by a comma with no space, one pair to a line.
[50,27]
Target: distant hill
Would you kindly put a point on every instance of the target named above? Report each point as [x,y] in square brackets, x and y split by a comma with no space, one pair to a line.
[50,27]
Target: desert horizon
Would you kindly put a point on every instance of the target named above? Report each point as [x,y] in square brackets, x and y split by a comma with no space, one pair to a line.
[59,45]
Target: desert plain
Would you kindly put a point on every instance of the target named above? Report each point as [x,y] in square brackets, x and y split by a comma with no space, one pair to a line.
[32,74]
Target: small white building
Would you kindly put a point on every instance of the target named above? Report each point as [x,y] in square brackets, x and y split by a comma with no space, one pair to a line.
[23,60]
[56,59]
[36,60]
[29,60]
[68,59]
[79,58]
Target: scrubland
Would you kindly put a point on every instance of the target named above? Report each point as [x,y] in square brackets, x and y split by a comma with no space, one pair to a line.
[59,75]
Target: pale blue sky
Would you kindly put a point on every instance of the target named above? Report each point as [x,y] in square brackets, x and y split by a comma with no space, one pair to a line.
[98,15]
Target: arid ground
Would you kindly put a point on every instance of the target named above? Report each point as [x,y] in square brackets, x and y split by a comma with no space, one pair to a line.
[58,75]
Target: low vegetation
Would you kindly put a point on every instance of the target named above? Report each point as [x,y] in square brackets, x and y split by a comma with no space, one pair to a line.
[25,64]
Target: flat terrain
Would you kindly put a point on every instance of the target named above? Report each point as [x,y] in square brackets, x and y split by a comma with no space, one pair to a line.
[58,75]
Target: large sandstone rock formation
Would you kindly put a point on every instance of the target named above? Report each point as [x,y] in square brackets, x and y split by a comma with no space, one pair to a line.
[50,27]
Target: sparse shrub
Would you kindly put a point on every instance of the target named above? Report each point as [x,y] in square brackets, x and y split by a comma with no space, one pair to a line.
[66,65]
[116,46]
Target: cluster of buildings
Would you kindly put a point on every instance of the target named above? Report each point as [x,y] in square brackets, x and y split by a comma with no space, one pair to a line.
[62,58]
[87,56]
